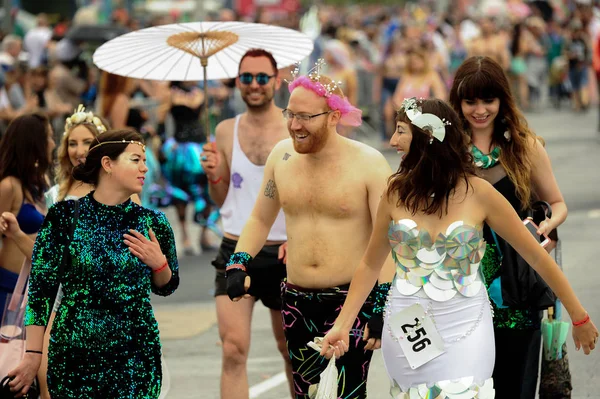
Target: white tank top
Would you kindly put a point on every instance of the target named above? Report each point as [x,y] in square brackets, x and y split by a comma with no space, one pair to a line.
[244,187]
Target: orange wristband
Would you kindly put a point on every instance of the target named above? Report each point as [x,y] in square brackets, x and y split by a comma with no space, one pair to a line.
[582,322]
[160,269]
[215,181]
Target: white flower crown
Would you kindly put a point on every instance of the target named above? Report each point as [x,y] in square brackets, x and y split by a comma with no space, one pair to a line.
[80,117]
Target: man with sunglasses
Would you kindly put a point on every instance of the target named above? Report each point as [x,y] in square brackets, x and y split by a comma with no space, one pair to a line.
[234,165]
[329,188]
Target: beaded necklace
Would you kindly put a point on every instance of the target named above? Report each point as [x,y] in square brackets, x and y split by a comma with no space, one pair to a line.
[485,161]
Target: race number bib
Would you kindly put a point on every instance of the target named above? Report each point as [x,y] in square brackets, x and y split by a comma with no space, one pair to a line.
[417,335]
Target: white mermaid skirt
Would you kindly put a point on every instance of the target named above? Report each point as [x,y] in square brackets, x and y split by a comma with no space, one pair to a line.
[464,370]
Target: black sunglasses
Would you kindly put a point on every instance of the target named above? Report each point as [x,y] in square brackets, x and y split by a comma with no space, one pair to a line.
[261,78]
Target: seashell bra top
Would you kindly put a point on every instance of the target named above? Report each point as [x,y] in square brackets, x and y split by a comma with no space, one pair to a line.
[437,269]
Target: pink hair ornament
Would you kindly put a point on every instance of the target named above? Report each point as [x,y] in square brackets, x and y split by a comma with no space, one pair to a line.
[351,116]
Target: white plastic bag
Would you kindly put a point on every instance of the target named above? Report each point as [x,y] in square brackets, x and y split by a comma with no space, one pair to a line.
[327,387]
[166,379]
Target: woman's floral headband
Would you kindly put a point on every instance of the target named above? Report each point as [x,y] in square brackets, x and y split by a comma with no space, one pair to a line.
[80,117]
[351,116]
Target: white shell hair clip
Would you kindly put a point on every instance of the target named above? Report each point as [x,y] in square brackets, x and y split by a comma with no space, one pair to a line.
[428,122]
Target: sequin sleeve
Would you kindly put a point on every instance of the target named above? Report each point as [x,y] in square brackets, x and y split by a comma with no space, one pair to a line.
[166,239]
[47,256]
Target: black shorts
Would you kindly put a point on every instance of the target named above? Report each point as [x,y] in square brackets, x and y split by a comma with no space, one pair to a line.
[266,272]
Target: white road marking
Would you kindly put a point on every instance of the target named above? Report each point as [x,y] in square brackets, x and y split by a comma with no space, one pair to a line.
[267,385]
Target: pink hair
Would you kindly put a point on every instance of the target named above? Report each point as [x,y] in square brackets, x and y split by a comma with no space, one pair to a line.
[351,116]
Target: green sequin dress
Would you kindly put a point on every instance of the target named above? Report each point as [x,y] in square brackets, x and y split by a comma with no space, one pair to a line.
[522,319]
[518,319]
[104,341]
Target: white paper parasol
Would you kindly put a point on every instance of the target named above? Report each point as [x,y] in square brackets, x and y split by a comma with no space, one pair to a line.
[197,50]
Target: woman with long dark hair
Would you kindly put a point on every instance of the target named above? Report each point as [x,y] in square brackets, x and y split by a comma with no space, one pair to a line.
[438,338]
[81,128]
[25,157]
[104,338]
[508,156]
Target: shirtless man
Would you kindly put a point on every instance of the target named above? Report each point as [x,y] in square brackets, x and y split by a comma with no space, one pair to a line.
[234,166]
[489,44]
[329,188]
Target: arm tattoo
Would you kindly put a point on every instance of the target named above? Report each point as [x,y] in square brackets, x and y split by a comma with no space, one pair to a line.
[271,189]
[286,156]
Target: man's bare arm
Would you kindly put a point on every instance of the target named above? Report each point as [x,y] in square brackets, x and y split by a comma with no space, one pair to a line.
[216,166]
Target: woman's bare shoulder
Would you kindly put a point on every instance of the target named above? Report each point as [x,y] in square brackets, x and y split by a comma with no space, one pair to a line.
[11,193]
[10,185]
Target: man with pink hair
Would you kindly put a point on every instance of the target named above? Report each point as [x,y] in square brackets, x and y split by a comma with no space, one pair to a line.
[329,188]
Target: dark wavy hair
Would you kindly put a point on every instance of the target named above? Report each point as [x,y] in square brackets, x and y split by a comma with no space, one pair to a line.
[89,172]
[24,153]
[483,78]
[429,173]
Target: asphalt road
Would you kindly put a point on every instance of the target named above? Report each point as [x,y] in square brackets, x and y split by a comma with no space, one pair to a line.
[188,322]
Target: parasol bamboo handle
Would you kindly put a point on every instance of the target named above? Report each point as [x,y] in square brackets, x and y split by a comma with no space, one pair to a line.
[551,313]
[204,63]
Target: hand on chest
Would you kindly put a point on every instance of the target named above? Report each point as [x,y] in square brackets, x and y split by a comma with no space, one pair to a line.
[103,249]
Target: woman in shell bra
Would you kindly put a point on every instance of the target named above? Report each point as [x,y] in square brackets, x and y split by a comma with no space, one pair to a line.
[438,336]
[104,342]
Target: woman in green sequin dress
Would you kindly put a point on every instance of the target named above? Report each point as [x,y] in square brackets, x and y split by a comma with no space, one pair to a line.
[514,161]
[105,341]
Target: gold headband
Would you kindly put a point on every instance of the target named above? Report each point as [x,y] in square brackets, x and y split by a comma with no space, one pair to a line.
[120,142]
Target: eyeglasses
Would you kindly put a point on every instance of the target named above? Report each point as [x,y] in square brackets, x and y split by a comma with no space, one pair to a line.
[261,78]
[289,115]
